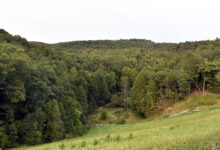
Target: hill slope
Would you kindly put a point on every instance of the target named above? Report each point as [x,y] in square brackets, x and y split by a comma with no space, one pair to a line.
[194,102]
[194,130]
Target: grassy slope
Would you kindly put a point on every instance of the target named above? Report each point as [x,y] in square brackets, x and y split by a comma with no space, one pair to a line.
[194,102]
[194,130]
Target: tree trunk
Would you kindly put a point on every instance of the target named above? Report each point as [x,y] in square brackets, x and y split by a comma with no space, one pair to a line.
[203,88]
[197,87]
[125,91]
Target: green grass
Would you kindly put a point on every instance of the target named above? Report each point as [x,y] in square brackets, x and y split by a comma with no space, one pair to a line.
[196,130]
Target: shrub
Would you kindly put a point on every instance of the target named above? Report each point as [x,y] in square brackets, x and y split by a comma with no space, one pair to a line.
[62,146]
[108,137]
[104,115]
[121,121]
[130,136]
[83,144]
[116,101]
[73,146]
[95,142]
[118,138]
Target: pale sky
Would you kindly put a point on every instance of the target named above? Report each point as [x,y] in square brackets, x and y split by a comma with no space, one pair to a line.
[54,21]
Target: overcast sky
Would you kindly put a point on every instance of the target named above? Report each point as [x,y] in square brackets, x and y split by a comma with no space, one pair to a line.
[67,20]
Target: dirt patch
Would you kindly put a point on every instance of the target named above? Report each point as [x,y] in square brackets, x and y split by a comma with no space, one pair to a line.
[169,109]
[197,109]
[180,113]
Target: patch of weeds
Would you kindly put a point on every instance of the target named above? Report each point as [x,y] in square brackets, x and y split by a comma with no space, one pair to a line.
[73,146]
[62,146]
[126,115]
[131,136]
[83,144]
[104,115]
[118,138]
[215,146]
[118,112]
[121,121]
[95,142]
[108,137]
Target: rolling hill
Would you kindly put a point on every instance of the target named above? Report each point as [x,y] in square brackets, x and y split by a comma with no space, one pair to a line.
[190,130]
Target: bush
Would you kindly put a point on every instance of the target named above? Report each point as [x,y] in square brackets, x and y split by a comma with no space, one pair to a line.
[83,144]
[73,146]
[118,138]
[104,115]
[121,121]
[95,142]
[61,146]
[108,137]
[116,101]
[130,136]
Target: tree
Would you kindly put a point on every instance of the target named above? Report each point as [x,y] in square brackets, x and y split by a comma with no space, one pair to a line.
[152,90]
[125,83]
[190,63]
[217,77]
[92,93]
[4,140]
[79,86]
[149,105]
[30,131]
[127,78]
[208,70]
[71,114]
[138,92]
[54,124]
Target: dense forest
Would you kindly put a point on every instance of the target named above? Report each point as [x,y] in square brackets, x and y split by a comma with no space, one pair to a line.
[48,90]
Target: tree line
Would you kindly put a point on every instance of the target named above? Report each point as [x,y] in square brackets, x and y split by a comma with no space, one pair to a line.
[48,90]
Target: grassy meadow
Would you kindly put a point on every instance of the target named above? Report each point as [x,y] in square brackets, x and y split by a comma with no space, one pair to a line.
[193,130]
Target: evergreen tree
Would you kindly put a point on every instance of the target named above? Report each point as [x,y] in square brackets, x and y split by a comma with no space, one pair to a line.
[71,115]
[54,124]
[4,140]
[30,132]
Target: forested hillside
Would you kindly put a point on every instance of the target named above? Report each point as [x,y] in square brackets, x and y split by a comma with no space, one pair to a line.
[48,90]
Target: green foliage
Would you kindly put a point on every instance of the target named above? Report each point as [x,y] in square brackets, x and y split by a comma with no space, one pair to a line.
[95,142]
[194,130]
[30,132]
[104,115]
[71,114]
[149,104]
[116,101]
[131,136]
[62,146]
[83,144]
[118,137]
[54,124]
[4,141]
[108,136]
[115,116]
[121,121]
[73,146]
[48,90]
[217,76]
